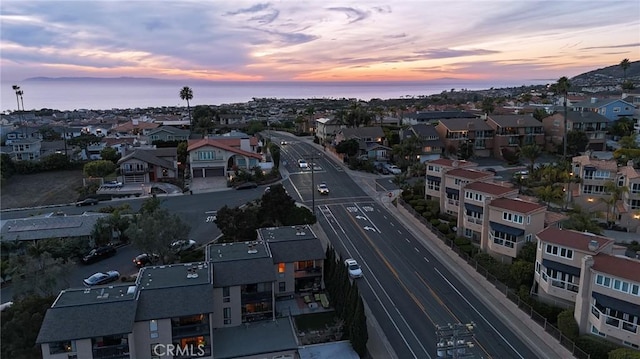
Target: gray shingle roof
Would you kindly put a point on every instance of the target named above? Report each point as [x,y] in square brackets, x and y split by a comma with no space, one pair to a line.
[29,229]
[253,339]
[148,156]
[170,129]
[585,117]
[87,321]
[438,115]
[174,302]
[515,121]
[461,124]
[239,272]
[362,132]
[293,251]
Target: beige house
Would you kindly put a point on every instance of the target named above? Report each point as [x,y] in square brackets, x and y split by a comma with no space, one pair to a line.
[149,165]
[220,156]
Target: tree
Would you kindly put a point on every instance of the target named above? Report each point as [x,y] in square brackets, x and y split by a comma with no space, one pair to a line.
[37,273]
[100,168]
[182,154]
[358,334]
[621,127]
[539,114]
[629,142]
[488,105]
[582,221]
[562,88]
[84,140]
[615,194]
[550,194]
[186,94]
[20,327]
[110,154]
[531,152]
[465,150]
[7,166]
[238,224]
[349,147]
[576,142]
[279,203]
[624,64]
[153,232]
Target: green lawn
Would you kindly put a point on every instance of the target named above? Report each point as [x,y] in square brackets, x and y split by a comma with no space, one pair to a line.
[314,321]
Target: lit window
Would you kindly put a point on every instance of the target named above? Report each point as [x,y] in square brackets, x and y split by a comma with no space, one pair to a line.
[281,267]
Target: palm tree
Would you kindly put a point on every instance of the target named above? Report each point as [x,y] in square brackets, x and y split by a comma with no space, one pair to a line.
[16,88]
[550,194]
[615,192]
[562,88]
[531,152]
[187,94]
[624,64]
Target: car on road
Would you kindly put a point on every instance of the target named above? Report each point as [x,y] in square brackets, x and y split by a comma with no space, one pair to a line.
[145,259]
[87,202]
[112,184]
[183,245]
[304,165]
[393,169]
[284,143]
[353,267]
[101,278]
[492,170]
[246,185]
[323,188]
[521,175]
[98,254]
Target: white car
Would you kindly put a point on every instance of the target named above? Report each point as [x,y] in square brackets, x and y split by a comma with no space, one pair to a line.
[183,245]
[393,169]
[354,269]
[303,164]
[112,184]
[323,189]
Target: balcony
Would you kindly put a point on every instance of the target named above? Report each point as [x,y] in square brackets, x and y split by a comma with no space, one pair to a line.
[453,202]
[308,272]
[256,297]
[120,351]
[606,323]
[190,330]
[473,220]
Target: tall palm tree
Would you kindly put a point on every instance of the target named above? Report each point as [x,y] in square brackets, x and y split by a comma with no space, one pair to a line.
[624,64]
[550,194]
[187,94]
[16,88]
[615,193]
[562,88]
[531,152]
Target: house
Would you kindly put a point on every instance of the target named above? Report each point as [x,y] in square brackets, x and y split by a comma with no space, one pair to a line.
[326,129]
[25,149]
[612,109]
[22,133]
[149,165]
[427,138]
[591,274]
[224,307]
[514,131]
[628,210]
[232,119]
[53,226]
[134,127]
[218,156]
[451,182]
[435,175]
[168,134]
[433,117]
[593,124]
[370,139]
[473,131]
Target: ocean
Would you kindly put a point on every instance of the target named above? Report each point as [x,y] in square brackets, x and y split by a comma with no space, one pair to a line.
[105,94]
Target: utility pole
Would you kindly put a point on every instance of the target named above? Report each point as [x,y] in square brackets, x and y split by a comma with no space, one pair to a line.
[453,340]
[311,160]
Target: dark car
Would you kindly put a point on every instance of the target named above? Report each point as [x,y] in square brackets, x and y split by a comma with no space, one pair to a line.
[247,185]
[102,278]
[87,202]
[145,259]
[98,254]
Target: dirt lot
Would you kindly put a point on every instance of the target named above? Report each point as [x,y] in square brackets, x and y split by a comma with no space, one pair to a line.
[40,189]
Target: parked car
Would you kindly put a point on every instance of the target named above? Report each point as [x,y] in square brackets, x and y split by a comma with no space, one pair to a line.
[393,169]
[101,278]
[98,254]
[87,202]
[247,185]
[521,175]
[303,164]
[183,245]
[145,259]
[112,184]
[323,188]
[354,269]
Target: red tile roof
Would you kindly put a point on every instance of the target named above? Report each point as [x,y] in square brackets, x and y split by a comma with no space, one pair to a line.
[469,174]
[222,145]
[516,205]
[490,188]
[572,239]
[622,267]
[449,163]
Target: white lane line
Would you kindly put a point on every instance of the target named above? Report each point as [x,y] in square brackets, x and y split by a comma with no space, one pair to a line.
[391,223]
[399,231]
[425,258]
[369,219]
[417,250]
[407,239]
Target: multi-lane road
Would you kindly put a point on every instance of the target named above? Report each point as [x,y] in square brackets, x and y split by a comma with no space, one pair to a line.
[408,289]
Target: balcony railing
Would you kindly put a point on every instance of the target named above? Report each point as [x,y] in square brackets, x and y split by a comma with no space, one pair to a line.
[474,220]
[308,272]
[120,351]
[453,202]
[190,330]
[613,321]
[256,297]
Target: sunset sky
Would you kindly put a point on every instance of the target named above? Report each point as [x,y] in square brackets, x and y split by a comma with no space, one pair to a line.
[316,40]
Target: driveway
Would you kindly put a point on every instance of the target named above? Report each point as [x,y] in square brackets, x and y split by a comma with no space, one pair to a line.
[208,184]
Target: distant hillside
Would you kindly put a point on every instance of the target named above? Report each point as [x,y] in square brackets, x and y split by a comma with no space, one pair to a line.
[610,75]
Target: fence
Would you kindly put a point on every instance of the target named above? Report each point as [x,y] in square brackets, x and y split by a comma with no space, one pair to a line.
[504,289]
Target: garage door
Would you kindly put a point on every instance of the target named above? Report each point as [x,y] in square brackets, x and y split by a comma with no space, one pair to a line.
[214,172]
[197,173]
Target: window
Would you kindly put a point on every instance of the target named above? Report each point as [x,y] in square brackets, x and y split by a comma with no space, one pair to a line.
[468,195]
[282,286]
[478,197]
[616,109]
[635,188]
[67,346]
[153,329]
[226,313]
[433,185]
[528,219]
[226,295]
[527,238]
[511,217]
[281,267]
[559,251]
[205,155]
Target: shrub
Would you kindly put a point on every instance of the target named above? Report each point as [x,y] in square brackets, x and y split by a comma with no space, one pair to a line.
[450,236]
[461,241]
[435,222]
[598,348]
[419,209]
[567,325]
[624,353]
[413,203]
[469,249]
[444,228]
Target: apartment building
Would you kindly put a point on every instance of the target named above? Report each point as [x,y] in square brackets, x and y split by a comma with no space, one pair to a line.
[224,307]
[514,131]
[473,131]
[629,208]
[512,222]
[592,123]
[435,170]
[590,272]
[475,195]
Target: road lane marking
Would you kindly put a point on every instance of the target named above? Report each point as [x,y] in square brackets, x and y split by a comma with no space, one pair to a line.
[399,231]
[407,239]
[417,250]
[369,219]
[425,258]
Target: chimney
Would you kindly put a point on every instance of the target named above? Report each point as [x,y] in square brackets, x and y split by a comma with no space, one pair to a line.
[593,244]
[245,144]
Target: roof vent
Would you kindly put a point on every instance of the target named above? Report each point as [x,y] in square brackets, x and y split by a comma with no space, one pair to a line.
[131,289]
[593,245]
[191,272]
[252,250]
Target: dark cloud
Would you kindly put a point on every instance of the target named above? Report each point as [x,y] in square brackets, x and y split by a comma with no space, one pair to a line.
[354,15]
[266,18]
[252,9]
[637,44]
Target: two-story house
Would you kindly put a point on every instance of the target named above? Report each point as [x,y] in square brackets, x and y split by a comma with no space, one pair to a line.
[22,133]
[513,131]
[453,181]
[149,165]
[370,139]
[427,138]
[473,131]
[593,174]
[590,273]
[611,108]
[512,222]
[26,149]
[474,196]
[168,134]
[326,129]
[593,124]
[629,213]
[218,156]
